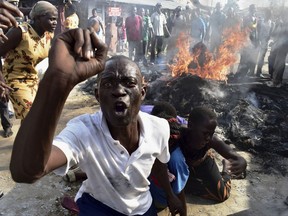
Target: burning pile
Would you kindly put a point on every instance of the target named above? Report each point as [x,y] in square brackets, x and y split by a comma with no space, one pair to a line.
[202,63]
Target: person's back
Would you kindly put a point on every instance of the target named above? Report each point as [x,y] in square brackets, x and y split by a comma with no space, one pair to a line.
[71,17]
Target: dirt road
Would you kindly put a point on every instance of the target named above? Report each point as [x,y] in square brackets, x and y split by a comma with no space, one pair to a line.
[261,193]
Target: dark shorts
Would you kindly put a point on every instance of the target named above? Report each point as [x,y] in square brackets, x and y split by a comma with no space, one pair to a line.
[208,182]
[89,206]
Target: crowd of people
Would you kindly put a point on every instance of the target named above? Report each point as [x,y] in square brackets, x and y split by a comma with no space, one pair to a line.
[145,157]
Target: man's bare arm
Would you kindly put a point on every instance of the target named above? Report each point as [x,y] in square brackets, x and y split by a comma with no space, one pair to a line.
[71,60]
[237,163]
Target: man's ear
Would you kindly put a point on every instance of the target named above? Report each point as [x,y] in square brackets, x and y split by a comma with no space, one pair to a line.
[143,91]
[96,93]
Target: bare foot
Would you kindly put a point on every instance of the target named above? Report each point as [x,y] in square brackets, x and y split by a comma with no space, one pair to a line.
[226,164]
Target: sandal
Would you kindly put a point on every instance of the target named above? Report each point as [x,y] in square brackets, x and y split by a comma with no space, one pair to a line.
[69,204]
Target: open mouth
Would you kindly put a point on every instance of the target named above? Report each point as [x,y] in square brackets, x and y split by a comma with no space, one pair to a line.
[120,108]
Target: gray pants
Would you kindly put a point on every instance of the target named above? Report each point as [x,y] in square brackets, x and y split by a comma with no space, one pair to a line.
[135,50]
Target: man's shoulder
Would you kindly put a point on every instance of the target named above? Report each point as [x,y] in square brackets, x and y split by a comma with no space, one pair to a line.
[153,121]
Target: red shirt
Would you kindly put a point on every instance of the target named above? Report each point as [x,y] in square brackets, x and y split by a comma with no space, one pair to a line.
[134,28]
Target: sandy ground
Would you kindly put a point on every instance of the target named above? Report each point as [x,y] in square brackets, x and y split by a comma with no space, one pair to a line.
[258,194]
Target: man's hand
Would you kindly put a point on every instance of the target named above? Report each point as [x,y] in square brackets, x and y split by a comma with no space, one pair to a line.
[176,206]
[7,13]
[76,55]
[237,167]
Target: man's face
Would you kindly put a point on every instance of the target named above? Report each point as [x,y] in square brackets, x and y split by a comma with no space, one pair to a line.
[142,12]
[201,134]
[134,11]
[158,8]
[147,12]
[120,92]
[218,6]
[252,10]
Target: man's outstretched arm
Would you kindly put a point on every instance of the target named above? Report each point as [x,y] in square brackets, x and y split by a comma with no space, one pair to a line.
[176,205]
[74,56]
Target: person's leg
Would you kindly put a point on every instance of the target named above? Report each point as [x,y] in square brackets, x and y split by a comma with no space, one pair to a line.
[131,49]
[144,47]
[5,120]
[271,60]
[160,40]
[153,44]
[252,60]
[260,63]
[138,51]
[206,181]
[88,206]
[242,67]
[279,65]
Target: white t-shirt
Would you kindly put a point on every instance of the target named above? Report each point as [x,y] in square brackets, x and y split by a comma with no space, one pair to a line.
[115,178]
[158,21]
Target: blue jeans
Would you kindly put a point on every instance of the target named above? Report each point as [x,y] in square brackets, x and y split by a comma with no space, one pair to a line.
[89,206]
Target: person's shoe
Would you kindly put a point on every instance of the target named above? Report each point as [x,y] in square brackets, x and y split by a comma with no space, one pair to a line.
[8,132]
[273,85]
[286,201]
[69,204]
[11,114]
[263,76]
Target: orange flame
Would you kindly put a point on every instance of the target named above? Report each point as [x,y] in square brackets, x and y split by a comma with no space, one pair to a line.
[203,63]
